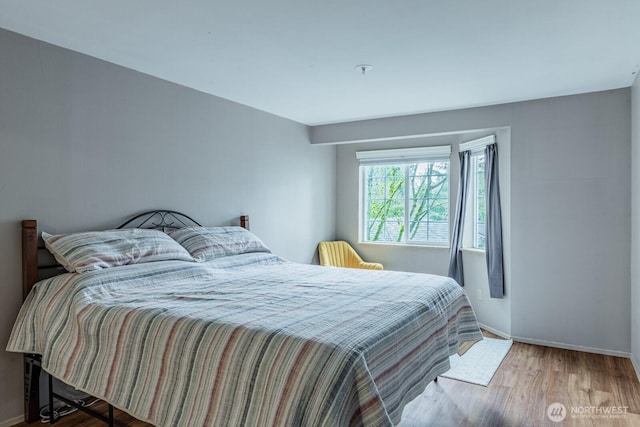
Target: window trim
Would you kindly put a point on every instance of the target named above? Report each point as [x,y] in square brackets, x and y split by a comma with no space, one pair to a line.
[403,155]
[477,144]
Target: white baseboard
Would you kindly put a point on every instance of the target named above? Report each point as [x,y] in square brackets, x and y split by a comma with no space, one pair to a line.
[12,421]
[495,331]
[636,365]
[573,347]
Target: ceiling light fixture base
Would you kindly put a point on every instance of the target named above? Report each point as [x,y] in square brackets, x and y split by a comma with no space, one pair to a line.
[364,68]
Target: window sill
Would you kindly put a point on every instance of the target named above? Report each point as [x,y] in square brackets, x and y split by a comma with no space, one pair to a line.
[474,251]
[404,245]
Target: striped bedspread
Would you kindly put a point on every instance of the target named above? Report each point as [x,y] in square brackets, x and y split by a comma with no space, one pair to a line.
[249,340]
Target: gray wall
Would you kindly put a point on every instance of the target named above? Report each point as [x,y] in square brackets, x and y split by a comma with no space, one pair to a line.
[635,225]
[84,144]
[570,204]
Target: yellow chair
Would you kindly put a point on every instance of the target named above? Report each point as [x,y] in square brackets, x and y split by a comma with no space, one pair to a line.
[341,254]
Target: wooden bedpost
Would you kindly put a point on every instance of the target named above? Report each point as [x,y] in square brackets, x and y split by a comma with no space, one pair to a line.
[244,221]
[29,255]
[29,278]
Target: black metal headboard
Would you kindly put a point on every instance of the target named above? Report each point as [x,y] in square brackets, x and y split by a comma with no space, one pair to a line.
[161,220]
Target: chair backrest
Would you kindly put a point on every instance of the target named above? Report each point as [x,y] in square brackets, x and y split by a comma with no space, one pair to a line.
[337,254]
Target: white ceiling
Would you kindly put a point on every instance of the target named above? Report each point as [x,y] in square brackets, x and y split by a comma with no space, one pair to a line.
[296,58]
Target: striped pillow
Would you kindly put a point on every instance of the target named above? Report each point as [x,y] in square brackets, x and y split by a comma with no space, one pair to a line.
[95,250]
[209,243]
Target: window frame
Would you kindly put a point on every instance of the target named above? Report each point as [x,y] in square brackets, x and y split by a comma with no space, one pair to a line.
[404,158]
[475,157]
[475,147]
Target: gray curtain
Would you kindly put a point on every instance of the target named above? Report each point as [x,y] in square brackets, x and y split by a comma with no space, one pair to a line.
[455,256]
[493,242]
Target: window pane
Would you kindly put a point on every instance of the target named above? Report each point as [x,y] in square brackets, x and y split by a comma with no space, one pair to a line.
[481,235]
[385,203]
[430,231]
[480,212]
[429,202]
[425,194]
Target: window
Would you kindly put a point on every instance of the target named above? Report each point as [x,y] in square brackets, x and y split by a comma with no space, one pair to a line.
[475,222]
[405,196]
[479,200]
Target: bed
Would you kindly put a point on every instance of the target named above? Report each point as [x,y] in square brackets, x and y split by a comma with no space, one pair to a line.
[242,338]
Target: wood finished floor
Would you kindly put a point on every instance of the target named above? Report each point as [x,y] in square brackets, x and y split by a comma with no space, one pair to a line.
[528,381]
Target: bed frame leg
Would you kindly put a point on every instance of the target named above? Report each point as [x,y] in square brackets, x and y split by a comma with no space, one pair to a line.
[110,420]
[52,414]
[31,389]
